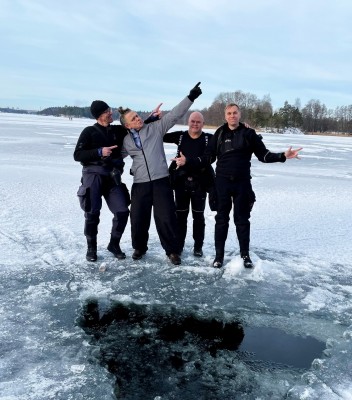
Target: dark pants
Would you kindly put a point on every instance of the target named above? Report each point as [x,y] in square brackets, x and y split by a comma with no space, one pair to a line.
[196,198]
[156,195]
[94,187]
[240,195]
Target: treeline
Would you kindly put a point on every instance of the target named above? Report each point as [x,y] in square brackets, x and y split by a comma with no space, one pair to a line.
[16,111]
[314,117]
[80,112]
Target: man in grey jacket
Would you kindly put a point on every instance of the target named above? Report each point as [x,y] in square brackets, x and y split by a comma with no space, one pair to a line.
[151,185]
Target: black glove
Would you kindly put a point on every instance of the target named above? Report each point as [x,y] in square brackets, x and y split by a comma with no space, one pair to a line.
[195,92]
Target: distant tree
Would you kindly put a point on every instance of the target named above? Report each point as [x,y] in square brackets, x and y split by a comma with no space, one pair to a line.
[343,118]
[263,112]
[253,110]
[288,116]
[313,114]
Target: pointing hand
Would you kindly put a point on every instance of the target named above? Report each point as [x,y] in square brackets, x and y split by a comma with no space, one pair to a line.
[195,92]
[106,151]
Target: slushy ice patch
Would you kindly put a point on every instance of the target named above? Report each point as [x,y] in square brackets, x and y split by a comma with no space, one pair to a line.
[161,350]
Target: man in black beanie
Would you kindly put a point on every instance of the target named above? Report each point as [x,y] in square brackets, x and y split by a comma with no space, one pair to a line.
[98,149]
[98,107]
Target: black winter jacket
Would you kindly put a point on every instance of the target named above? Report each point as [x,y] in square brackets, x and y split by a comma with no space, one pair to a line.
[233,150]
[192,149]
[95,137]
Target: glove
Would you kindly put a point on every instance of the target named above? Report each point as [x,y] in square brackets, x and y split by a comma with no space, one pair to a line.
[195,92]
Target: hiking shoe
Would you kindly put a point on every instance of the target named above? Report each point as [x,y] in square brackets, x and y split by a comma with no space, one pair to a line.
[198,252]
[138,254]
[115,249]
[91,254]
[247,262]
[217,263]
[175,258]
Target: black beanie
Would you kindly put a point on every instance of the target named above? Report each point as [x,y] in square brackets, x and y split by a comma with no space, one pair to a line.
[98,107]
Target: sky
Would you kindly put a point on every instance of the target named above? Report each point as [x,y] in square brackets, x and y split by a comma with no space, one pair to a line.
[140,53]
[300,287]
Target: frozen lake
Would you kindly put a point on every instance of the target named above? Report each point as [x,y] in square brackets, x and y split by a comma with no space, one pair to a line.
[146,329]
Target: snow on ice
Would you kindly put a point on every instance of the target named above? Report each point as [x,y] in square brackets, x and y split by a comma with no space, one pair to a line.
[146,329]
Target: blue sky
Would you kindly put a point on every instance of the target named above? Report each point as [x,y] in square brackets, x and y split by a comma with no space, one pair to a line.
[138,53]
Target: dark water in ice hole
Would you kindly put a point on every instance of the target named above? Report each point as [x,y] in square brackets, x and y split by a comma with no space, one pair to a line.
[145,345]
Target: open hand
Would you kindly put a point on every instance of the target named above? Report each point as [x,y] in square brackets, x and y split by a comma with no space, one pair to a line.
[292,153]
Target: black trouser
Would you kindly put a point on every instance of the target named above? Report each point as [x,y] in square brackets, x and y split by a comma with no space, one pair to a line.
[240,195]
[183,199]
[94,187]
[156,195]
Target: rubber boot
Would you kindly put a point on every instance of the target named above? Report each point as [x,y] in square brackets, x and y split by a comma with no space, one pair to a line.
[91,249]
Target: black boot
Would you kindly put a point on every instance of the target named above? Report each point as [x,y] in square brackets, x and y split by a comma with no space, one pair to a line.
[197,250]
[138,254]
[247,262]
[92,249]
[114,248]
[219,259]
[175,258]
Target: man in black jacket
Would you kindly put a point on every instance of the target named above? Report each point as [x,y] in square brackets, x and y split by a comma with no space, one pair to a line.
[233,145]
[190,183]
[98,149]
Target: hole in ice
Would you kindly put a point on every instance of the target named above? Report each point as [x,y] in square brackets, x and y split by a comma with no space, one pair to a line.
[158,349]
[274,345]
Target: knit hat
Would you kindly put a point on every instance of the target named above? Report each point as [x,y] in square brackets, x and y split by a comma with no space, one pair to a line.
[98,107]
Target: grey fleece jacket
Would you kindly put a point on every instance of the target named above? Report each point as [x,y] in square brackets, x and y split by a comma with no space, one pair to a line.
[150,163]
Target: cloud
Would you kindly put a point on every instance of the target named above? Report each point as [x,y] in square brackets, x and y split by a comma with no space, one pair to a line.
[147,50]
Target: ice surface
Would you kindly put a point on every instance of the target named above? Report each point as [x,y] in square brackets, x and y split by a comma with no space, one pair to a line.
[301,284]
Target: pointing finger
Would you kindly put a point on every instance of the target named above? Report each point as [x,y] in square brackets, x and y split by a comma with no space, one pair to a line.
[158,107]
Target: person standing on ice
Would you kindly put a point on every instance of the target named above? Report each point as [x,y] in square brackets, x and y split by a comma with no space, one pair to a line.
[151,189]
[98,149]
[191,184]
[232,146]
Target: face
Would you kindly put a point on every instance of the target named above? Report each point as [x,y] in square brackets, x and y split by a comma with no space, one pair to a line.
[105,118]
[195,123]
[232,116]
[133,121]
